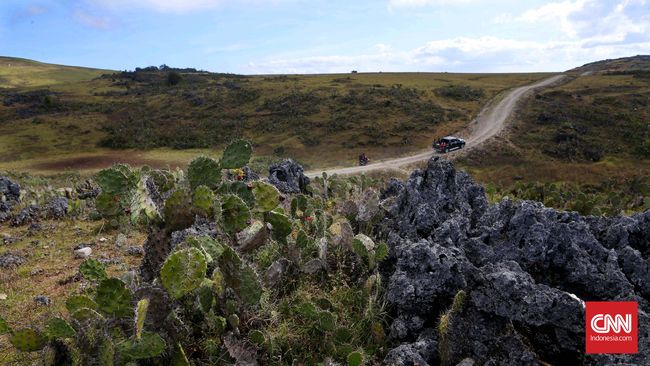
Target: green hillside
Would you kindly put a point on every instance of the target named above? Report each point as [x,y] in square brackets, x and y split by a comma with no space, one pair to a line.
[19,73]
[165,116]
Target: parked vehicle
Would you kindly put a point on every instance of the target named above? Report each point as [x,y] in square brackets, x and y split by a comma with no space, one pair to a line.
[449,143]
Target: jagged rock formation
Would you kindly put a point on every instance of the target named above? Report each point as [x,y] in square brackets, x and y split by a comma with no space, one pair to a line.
[9,191]
[523,270]
[288,177]
[9,196]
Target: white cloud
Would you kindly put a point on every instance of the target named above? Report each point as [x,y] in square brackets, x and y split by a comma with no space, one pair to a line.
[593,20]
[461,54]
[177,6]
[93,21]
[419,3]
[558,12]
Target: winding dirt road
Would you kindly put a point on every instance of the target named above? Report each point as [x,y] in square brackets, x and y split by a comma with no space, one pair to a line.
[489,123]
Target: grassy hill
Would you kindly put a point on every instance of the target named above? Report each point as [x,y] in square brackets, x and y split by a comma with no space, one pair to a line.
[322,120]
[591,135]
[20,73]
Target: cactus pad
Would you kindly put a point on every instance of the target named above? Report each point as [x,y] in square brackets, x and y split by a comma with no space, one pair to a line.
[27,340]
[150,345]
[108,205]
[178,211]
[140,316]
[76,302]
[117,179]
[210,247]
[327,321]
[249,290]
[204,171]
[236,155]
[239,189]
[85,314]
[178,357]
[114,298]
[183,272]
[93,270]
[106,353]
[257,337]
[267,197]
[355,359]
[381,252]
[59,328]
[205,295]
[298,205]
[203,201]
[4,327]
[235,214]
[142,206]
[280,223]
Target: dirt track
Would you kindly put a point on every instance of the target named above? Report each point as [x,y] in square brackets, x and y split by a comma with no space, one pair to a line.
[489,123]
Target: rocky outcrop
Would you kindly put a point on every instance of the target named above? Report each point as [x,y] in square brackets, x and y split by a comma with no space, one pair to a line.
[57,208]
[9,190]
[523,271]
[288,177]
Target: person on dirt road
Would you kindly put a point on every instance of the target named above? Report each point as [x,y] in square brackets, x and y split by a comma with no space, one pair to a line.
[363,159]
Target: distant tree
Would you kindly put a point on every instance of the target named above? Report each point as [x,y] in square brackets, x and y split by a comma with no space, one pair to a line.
[173,78]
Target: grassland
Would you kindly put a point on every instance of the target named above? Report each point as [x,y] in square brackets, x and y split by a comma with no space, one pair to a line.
[320,120]
[592,133]
[21,73]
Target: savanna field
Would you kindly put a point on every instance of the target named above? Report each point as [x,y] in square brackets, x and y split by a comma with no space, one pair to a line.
[196,257]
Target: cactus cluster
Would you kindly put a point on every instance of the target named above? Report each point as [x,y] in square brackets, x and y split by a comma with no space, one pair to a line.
[203,294]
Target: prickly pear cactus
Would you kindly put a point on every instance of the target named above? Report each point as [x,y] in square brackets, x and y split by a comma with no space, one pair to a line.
[4,327]
[281,225]
[148,346]
[93,270]
[205,295]
[381,252]
[27,340]
[116,180]
[59,328]
[236,155]
[257,337]
[240,189]
[114,298]
[211,249]
[299,205]
[178,211]
[235,213]
[183,272]
[178,357]
[86,314]
[267,197]
[240,277]
[108,205]
[106,353]
[326,321]
[204,171]
[142,207]
[140,316]
[76,302]
[163,180]
[203,201]
[364,247]
[355,358]
[249,289]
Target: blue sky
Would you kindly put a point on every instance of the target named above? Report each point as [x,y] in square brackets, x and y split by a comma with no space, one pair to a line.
[300,36]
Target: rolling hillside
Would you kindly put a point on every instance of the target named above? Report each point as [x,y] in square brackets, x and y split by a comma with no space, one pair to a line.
[20,73]
[321,120]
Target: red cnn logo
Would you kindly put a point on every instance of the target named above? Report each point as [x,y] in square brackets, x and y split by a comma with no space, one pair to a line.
[611,327]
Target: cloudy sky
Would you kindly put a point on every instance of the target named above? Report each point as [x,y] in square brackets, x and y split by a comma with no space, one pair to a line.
[314,36]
